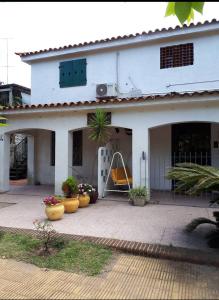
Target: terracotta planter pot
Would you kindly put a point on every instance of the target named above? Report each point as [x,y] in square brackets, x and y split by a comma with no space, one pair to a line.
[93,197]
[84,200]
[55,212]
[71,204]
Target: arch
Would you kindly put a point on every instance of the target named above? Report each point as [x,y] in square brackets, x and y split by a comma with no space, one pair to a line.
[24,129]
[181,122]
[87,127]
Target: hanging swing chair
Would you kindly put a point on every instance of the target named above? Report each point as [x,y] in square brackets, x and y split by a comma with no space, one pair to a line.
[121,176]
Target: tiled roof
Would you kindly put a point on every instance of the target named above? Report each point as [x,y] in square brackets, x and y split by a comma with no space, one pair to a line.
[113,100]
[16,86]
[112,39]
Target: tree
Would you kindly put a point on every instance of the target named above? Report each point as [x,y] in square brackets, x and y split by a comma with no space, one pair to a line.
[99,132]
[3,122]
[184,11]
[99,128]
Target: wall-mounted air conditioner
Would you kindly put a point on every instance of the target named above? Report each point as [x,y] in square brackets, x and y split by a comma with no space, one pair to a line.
[106,90]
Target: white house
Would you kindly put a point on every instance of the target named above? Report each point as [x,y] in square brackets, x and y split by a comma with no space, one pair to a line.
[160,88]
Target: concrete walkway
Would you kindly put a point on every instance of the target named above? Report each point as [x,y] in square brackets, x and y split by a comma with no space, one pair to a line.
[159,224]
[129,277]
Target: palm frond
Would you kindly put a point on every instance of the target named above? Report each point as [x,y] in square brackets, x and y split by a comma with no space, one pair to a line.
[194,178]
[196,222]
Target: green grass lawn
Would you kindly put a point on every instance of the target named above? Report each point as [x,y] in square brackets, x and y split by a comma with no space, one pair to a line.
[71,256]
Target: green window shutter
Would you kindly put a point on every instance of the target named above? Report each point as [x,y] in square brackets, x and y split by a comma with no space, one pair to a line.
[79,72]
[73,73]
[66,74]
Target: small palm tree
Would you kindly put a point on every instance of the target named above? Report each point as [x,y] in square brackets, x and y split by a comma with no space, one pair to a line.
[193,179]
[99,128]
[99,132]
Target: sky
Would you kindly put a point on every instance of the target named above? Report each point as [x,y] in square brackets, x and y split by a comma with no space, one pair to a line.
[39,25]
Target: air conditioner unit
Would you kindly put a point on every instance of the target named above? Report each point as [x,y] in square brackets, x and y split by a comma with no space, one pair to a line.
[106,90]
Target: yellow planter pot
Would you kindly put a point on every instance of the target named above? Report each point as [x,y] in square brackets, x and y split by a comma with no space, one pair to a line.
[70,204]
[55,212]
[84,200]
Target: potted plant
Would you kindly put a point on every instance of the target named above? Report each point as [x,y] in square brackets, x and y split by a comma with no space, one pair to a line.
[54,208]
[138,196]
[84,198]
[90,190]
[93,195]
[70,190]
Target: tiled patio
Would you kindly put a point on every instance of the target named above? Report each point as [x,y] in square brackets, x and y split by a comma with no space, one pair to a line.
[153,223]
[128,277]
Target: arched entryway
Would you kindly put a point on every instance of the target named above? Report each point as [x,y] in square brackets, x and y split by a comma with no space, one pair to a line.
[192,142]
[30,165]
[83,155]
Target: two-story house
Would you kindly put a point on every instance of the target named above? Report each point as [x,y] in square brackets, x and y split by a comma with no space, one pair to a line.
[160,89]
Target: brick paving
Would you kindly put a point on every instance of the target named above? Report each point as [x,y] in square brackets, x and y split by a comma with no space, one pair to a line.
[128,277]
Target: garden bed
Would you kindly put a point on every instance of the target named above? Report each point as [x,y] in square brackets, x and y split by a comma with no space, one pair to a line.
[70,256]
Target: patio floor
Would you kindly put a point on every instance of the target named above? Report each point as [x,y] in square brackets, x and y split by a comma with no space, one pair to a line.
[153,223]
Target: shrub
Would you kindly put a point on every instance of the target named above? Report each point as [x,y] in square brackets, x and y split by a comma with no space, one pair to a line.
[138,192]
[70,187]
[46,234]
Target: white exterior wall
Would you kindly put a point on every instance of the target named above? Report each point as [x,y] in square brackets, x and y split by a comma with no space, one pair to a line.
[26,98]
[138,118]
[137,67]
[160,154]
[44,172]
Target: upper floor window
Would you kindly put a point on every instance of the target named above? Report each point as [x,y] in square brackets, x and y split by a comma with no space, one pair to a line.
[176,56]
[72,73]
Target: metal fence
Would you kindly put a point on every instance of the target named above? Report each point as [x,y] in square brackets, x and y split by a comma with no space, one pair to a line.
[163,190]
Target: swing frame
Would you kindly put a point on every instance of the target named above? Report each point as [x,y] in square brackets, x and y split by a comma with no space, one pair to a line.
[109,172]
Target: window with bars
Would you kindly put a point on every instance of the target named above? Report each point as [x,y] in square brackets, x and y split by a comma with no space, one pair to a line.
[176,56]
[77,147]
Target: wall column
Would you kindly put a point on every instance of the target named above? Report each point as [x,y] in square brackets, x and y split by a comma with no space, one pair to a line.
[4,162]
[140,161]
[30,160]
[62,168]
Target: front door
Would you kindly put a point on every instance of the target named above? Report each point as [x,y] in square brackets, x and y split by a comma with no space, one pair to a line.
[191,142]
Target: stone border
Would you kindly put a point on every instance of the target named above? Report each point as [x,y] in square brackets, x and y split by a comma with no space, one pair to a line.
[137,248]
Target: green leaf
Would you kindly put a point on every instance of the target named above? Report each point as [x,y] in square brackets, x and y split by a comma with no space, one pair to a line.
[191,16]
[183,10]
[170,10]
[198,6]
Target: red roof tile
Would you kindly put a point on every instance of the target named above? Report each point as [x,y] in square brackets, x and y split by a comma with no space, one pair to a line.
[22,54]
[114,100]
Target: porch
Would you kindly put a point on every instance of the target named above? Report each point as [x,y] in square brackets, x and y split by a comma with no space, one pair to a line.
[60,146]
[154,223]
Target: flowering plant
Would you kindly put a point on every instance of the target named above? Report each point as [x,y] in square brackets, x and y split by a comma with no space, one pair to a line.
[85,188]
[50,201]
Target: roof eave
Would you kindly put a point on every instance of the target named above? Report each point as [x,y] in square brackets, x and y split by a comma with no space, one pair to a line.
[117,43]
[120,104]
